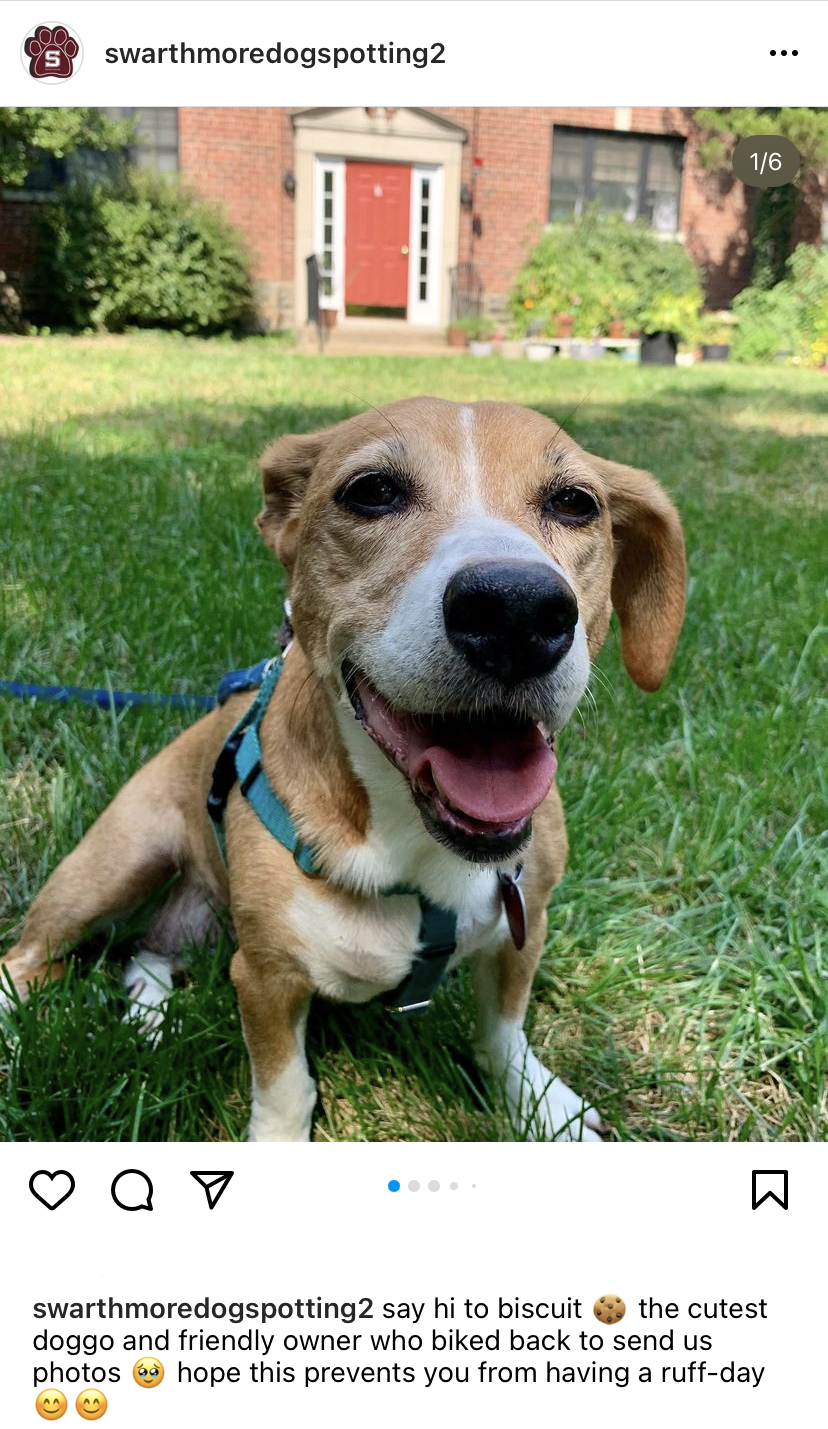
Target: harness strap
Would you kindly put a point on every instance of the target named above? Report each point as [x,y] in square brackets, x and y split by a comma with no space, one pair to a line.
[241,759]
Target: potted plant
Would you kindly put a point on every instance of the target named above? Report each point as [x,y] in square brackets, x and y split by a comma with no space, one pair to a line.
[716,334]
[621,302]
[564,323]
[538,347]
[456,335]
[327,317]
[670,318]
[480,332]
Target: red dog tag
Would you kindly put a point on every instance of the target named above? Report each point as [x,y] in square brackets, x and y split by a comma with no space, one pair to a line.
[514,905]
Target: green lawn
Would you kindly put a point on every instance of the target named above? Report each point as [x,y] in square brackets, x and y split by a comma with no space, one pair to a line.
[684,985]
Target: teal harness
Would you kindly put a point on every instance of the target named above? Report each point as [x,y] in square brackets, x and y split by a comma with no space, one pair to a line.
[241,760]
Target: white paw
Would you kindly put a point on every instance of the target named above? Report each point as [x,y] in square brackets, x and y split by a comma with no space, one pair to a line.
[541,1106]
[546,1109]
[148,981]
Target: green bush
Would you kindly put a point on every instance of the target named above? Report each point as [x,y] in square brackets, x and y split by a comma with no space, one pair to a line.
[139,252]
[790,318]
[601,268]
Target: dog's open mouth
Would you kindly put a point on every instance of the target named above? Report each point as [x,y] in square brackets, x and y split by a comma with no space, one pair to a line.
[476,779]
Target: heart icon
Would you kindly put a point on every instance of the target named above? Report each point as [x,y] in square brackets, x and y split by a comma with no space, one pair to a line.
[52,1188]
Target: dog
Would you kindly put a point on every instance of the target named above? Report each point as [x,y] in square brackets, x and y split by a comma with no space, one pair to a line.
[452,571]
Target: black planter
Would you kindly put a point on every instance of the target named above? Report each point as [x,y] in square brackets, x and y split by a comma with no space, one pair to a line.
[659,349]
[715,351]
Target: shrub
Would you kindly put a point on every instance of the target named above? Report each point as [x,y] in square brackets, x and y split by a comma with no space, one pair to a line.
[139,252]
[600,268]
[789,318]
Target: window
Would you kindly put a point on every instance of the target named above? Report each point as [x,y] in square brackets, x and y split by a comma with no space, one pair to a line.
[156,138]
[326,257]
[638,175]
[425,190]
[155,146]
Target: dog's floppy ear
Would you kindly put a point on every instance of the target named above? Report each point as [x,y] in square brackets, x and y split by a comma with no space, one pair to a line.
[286,466]
[649,573]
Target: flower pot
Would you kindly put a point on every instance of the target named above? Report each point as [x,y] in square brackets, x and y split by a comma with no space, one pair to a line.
[616,329]
[564,323]
[328,317]
[511,347]
[715,351]
[456,337]
[480,348]
[586,351]
[538,351]
[659,349]
[685,359]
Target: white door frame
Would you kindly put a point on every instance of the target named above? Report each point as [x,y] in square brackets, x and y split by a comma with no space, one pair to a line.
[324,164]
[409,136]
[425,312]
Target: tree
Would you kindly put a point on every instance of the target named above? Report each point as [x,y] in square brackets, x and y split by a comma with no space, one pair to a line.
[775,211]
[27,134]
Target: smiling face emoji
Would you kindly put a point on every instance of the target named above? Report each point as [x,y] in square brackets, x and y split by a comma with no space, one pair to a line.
[91,1404]
[148,1372]
[51,1404]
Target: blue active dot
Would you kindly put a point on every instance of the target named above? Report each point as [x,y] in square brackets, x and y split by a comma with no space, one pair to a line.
[393,1185]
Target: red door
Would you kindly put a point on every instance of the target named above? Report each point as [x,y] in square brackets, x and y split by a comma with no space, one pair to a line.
[376,234]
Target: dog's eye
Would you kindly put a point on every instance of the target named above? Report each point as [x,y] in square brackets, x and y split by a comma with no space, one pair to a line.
[373,493]
[571,505]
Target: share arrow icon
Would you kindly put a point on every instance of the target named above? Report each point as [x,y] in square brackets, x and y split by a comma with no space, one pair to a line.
[214,1184]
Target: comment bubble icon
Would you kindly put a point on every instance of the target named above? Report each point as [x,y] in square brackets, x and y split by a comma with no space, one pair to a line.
[132,1190]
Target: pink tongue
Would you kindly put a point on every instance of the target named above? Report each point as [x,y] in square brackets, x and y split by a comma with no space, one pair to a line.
[498,779]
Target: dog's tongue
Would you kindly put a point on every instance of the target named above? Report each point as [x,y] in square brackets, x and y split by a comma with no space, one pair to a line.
[497,775]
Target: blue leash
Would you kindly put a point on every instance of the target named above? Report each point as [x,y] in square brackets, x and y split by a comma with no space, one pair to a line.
[104,699]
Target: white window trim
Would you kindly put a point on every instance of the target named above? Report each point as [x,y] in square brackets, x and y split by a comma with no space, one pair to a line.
[336,299]
[426,313]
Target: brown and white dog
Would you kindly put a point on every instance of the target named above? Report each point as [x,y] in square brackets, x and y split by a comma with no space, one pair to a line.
[452,572]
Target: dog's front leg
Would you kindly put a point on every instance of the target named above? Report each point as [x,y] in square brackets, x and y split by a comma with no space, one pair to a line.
[274,999]
[540,1105]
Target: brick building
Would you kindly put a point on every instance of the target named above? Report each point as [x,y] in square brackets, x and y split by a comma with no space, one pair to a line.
[392,200]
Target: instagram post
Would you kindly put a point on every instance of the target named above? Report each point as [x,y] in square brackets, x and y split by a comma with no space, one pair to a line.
[412,721]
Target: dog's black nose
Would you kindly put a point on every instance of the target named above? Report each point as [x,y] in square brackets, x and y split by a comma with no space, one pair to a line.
[512,619]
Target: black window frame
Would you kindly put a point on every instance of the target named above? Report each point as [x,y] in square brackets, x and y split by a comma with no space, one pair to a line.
[644,140]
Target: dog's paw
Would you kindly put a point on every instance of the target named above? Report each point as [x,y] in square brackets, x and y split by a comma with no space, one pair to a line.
[148,982]
[549,1110]
[541,1107]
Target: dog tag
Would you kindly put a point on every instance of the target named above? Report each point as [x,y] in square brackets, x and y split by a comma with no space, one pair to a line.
[514,905]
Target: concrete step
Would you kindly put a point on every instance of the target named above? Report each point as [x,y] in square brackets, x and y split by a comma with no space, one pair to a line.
[388,336]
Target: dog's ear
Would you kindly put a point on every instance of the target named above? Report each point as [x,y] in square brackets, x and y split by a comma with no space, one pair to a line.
[286,466]
[649,573]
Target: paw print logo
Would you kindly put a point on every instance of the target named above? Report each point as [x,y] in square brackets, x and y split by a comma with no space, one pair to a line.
[52,53]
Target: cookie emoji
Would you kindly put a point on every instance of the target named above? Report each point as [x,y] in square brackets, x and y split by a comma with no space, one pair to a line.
[609,1309]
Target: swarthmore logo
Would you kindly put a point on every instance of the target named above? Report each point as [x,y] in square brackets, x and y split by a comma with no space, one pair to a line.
[52,53]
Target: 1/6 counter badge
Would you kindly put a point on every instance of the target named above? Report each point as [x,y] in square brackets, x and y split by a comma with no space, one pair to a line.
[52,53]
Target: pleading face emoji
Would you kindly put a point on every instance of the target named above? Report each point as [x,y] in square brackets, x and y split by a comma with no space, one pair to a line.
[148,1372]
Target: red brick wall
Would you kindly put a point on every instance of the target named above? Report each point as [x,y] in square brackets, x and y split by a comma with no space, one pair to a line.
[237,158]
[512,191]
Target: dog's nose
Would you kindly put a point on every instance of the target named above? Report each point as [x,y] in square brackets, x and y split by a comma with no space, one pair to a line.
[512,619]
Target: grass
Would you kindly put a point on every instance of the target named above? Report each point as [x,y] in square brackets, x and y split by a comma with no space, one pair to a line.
[684,984]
